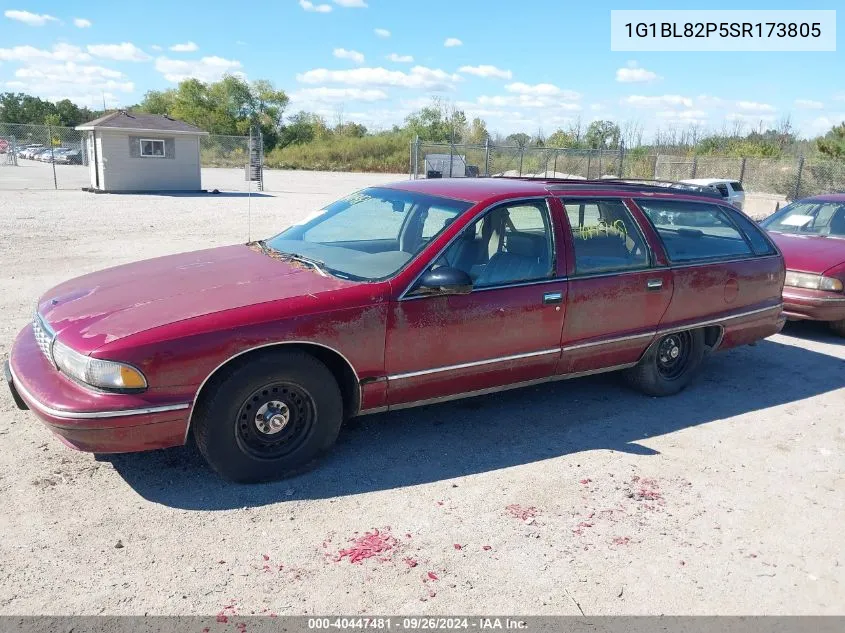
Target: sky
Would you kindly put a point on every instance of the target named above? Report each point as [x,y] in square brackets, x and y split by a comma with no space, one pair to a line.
[530,66]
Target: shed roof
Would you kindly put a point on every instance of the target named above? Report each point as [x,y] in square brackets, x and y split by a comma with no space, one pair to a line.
[140,122]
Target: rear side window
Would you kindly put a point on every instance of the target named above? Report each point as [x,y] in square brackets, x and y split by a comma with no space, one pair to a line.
[723,189]
[694,231]
[759,243]
[605,236]
[736,185]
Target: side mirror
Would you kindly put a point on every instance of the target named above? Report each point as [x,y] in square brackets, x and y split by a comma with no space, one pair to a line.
[444,281]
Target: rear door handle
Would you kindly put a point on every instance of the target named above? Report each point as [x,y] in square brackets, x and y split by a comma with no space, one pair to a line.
[552,297]
[654,284]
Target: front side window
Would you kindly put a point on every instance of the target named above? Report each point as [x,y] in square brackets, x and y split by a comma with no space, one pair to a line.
[369,235]
[510,244]
[809,218]
[605,236]
[153,148]
[694,231]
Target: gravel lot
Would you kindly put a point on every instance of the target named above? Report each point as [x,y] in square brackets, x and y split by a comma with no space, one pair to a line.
[572,497]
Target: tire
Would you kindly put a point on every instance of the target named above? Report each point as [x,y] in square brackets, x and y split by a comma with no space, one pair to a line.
[669,364]
[838,326]
[269,418]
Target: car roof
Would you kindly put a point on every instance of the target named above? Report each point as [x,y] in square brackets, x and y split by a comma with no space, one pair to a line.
[708,181]
[477,190]
[826,197]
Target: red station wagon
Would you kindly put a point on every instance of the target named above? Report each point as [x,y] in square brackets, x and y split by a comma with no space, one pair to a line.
[811,234]
[396,296]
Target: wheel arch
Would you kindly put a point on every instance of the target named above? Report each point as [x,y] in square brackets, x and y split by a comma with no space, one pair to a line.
[337,363]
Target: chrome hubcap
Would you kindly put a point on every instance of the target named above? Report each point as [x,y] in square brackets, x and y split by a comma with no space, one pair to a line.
[272,417]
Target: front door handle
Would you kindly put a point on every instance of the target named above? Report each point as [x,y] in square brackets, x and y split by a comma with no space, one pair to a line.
[654,284]
[552,297]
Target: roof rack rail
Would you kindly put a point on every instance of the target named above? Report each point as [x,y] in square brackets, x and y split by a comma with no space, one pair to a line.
[616,184]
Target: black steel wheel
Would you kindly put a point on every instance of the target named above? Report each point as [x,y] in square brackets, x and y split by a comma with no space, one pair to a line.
[275,420]
[268,416]
[669,364]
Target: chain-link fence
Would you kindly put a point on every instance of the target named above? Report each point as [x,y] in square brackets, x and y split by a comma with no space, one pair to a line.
[791,178]
[48,157]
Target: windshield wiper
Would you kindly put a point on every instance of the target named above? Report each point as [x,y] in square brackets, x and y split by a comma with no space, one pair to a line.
[316,264]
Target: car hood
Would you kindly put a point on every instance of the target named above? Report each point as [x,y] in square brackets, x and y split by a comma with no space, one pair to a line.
[810,253]
[90,311]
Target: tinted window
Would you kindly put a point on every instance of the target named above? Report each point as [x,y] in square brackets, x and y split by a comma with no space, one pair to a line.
[809,218]
[606,237]
[759,242]
[736,185]
[693,231]
[510,244]
[723,189]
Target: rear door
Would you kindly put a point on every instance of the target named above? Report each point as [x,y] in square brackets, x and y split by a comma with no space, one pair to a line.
[617,293]
[721,269]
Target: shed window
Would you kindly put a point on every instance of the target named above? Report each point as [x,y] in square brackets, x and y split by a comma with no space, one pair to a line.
[152,148]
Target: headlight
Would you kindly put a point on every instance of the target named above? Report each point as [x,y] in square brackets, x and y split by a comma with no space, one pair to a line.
[105,374]
[812,282]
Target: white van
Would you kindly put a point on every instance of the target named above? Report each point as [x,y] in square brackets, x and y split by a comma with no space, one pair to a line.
[731,190]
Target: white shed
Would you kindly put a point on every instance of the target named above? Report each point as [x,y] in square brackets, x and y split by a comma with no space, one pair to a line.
[137,152]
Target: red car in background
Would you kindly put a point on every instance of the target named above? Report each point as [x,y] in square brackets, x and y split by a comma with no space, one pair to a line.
[396,296]
[811,235]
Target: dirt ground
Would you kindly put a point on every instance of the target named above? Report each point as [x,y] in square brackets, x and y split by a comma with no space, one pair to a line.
[575,497]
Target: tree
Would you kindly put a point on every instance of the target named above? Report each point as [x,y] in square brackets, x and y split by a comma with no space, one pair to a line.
[561,138]
[440,123]
[478,133]
[519,139]
[603,135]
[832,145]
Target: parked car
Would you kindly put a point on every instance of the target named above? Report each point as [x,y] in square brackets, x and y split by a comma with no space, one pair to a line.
[396,296]
[69,157]
[4,146]
[811,235]
[30,150]
[731,190]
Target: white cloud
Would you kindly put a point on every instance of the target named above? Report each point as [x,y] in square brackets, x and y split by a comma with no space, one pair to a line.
[205,69]
[156,47]
[32,19]
[542,90]
[81,23]
[663,101]
[527,101]
[125,52]
[187,47]
[709,101]
[351,4]
[315,8]
[683,115]
[750,118]
[632,73]
[754,106]
[78,82]
[808,104]
[382,32]
[337,95]
[354,56]
[60,52]
[486,71]
[418,77]
[451,42]
[400,59]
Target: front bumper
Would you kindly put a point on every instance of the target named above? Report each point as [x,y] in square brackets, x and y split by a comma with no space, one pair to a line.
[813,305]
[90,420]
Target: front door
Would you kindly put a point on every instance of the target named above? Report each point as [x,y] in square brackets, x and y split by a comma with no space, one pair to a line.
[506,331]
[616,296]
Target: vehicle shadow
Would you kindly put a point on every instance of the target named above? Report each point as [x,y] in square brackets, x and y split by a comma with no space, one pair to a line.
[464,437]
[813,331]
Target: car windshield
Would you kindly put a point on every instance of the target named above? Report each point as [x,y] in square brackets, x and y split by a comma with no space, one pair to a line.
[809,218]
[369,235]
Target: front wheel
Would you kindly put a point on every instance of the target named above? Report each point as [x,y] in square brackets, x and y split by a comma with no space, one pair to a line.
[669,364]
[269,418]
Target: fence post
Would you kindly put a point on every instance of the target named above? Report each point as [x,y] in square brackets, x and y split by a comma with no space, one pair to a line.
[521,155]
[52,156]
[798,179]
[416,157]
[554,167]
[742,169]
[410,160]
[654,169]
[487,156]
[14,154]
[619,170]
[589,160]
[451,154]
[694,166]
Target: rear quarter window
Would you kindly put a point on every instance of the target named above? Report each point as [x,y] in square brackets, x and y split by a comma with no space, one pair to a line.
[695,231]
[736,186]
[759,242]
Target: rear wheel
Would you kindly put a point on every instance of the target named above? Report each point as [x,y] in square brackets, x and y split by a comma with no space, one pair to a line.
[838,326]
[669,364]
[270,418]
